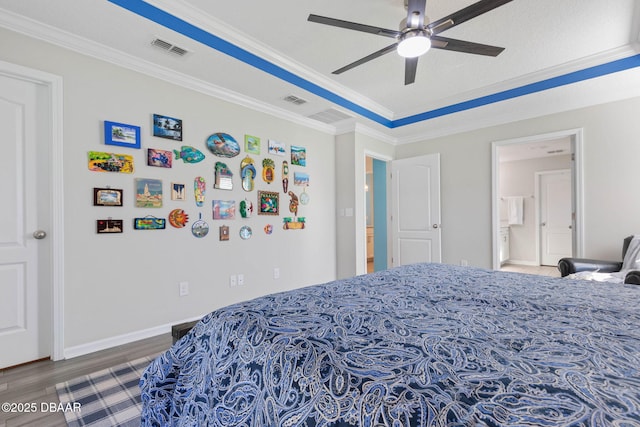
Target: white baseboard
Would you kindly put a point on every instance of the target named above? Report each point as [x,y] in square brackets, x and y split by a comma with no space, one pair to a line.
[103,344]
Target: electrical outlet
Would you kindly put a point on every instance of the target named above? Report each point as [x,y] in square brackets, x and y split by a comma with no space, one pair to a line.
[233,280]
[464,262]
[276,273]
[240,279]
[184,288]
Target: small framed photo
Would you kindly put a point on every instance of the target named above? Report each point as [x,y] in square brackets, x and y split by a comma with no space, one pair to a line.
[298,156]
[167,127]
[268,203]
[107,197]
[121,134]
[106,226]
[252,144]
[276,148]
[224,209]
[159,158]
[301,178]
[178,191]
[148,193]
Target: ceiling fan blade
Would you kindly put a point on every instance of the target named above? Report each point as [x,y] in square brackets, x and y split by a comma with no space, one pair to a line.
[415,13]
[410,68]
[446,43]
[463,15]
[353,26]
[367,58]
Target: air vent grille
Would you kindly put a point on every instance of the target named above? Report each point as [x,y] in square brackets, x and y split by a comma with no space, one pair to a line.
[295,100]
[329,116]
[169,47]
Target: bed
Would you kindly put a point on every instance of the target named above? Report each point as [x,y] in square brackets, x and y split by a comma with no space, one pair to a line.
[418,345]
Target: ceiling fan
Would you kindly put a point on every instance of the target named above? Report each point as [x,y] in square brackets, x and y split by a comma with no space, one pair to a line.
[416,36]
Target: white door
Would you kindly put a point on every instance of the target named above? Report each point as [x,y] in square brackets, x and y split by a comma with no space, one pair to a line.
[415,220]
[24,287]
[555,216]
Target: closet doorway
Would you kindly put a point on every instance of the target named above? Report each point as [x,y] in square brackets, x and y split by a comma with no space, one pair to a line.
[522,235]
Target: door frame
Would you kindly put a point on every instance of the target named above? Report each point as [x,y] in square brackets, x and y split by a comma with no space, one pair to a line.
[577,183]
[387,160]
[52,84]
[538,210]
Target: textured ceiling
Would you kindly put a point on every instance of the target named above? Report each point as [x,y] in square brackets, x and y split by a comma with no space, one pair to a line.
[260,52]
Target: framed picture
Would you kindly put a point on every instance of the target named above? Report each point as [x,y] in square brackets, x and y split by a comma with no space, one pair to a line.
[268,203]
[252,144]
[159,158]
[298,156]
[224,209]
[110,162]
[107,197]
[178,191]
[148,193]
[106,226]
[300,178]
[167,127]
[276,148]
[121,134]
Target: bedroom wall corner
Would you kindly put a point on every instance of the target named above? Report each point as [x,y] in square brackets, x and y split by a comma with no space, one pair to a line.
[117,285]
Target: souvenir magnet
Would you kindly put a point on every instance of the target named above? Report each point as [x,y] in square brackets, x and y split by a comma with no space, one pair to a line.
[293,203]
[189,154]
[178,218]
[224,232]
[285,176]
[223,145]
[104,226]
[290,224]
[247,173]
[268,228]
[246,208]
[304,197]
[224,177]
[245,232]
[200,228]
[268,170]
[149,223]
[199,187]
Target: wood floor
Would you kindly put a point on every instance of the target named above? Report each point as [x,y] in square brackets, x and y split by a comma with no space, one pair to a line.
[35,382]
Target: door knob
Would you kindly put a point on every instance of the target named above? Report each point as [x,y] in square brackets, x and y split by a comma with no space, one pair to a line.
[544,224]
[39,234]
[435,225]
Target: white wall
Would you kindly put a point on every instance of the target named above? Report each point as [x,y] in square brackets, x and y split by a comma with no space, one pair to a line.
[611,153]
[122,283]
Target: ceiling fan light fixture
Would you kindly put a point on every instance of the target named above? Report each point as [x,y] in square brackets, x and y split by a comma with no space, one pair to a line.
[413,44]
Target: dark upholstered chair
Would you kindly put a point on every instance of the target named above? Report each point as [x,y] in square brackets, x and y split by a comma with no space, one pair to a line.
[574,265]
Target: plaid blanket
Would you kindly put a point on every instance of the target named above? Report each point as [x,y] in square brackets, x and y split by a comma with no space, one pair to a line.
[109,397]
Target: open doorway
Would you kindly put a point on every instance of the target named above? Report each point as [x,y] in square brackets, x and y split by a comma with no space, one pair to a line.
[376,213]
[536,202]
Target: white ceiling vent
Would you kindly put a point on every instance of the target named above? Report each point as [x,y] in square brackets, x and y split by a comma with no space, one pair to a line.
[295,100]
[169,47]
[329,116]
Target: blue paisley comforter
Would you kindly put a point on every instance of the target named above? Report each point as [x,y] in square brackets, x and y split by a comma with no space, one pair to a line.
[420,345]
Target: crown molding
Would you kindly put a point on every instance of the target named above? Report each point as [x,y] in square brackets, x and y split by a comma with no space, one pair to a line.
[187,12]
[64,39]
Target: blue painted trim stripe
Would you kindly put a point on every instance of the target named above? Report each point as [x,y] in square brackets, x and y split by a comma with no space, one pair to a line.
[554,82]
[167,20]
